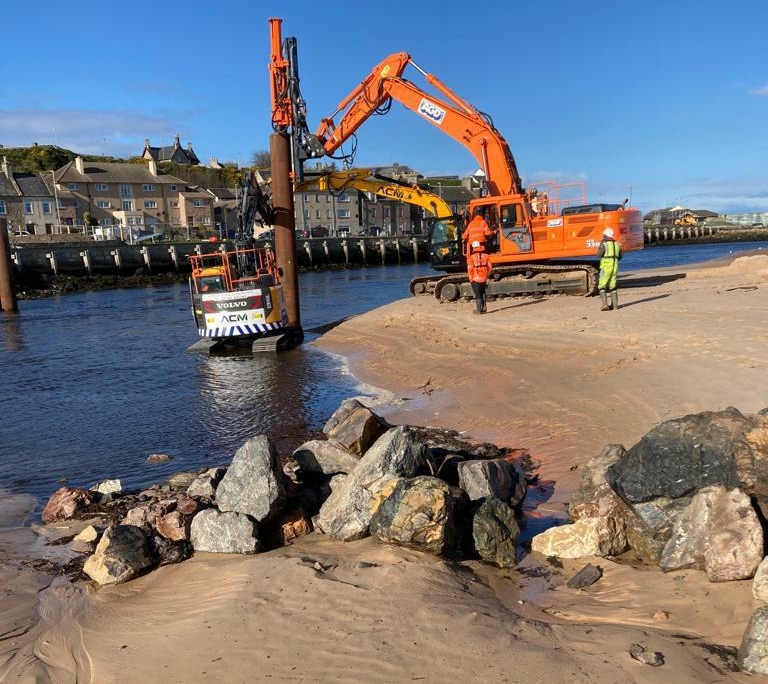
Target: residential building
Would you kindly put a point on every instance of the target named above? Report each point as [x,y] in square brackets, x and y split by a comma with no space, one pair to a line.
[170,153]
[117,199]
[27,202]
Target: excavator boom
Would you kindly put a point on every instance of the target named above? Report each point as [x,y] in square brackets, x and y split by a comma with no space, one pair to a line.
[366,180]
[455,117]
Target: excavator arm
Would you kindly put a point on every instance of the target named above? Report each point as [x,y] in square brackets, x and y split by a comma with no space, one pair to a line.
[366,180]
[453,115]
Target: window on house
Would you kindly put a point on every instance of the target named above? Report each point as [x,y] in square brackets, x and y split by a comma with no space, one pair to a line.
[148,187]
[198,202]
[317,213]
[103,204]
[344,213]
[329,213]
[174,204]
[73,186]
[150,204]
[306,213]
[127,205]
[3,209]
[125,191]
[28,208]
[172,188]
[343,197]
[46,207]
[102,187]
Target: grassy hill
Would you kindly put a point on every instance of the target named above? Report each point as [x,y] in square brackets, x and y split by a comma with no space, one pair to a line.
[39,158]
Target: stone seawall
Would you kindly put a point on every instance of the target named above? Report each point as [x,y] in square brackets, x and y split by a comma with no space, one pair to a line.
[117,258]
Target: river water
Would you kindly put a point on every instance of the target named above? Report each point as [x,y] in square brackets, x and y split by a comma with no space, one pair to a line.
[95,382]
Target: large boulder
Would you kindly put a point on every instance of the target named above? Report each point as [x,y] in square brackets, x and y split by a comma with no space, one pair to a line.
[120,555]
[585,537]
[355,426]
[65,502]
[498,477]
[227,532]
[720,533]
[495,532]
[253,483]
[324,457]
[346,513]
[679,457]
[419,513]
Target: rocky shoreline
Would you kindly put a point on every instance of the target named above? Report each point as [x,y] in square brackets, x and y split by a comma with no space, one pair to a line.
[688,495]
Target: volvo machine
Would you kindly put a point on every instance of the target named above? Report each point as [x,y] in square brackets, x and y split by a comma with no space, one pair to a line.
[545,236]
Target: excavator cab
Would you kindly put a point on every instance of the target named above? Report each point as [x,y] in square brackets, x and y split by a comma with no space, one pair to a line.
[445,244]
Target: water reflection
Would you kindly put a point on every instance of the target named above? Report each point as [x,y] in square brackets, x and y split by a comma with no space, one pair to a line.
[274,394]
[10,329]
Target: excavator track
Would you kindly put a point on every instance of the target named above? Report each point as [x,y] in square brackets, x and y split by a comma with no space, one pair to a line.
[514,281]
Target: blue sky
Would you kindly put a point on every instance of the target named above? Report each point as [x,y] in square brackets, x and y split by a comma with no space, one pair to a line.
[665,101]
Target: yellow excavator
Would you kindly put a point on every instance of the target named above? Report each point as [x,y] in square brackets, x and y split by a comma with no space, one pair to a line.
[445,227]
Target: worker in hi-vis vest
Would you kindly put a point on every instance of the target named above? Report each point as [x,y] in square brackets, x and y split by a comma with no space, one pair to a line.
[609,254]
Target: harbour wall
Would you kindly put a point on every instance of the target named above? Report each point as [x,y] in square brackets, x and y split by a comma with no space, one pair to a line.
[121,259]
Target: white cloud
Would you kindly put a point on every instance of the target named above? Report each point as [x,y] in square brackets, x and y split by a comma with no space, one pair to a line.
[115,133]
[760,91]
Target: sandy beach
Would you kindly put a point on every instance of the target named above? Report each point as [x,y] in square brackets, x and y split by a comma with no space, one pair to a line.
[555,376]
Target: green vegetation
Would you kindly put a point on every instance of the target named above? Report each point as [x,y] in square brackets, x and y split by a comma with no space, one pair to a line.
[40,158]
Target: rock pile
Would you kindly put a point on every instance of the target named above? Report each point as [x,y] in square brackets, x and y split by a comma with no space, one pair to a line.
[692,493]
[413,486]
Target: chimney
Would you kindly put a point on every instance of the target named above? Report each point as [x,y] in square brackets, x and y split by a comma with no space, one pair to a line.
[7,169]
[153,167]
[79,165]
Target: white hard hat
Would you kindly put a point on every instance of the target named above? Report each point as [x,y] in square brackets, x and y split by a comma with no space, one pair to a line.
[608,232]
[476,244]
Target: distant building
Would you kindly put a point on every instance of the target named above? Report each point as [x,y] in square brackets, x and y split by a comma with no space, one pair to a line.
[677,215]
[122,199]
[170,153]
[27,202]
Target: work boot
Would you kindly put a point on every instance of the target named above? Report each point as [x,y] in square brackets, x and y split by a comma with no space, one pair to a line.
[604,300]
[614,300]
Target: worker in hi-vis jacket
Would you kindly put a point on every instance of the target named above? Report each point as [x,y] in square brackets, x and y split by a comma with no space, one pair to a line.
[609,254]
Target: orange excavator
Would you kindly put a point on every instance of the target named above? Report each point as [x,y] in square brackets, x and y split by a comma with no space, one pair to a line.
[545,236]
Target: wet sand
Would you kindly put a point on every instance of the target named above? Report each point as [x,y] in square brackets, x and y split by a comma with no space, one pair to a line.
[554,376]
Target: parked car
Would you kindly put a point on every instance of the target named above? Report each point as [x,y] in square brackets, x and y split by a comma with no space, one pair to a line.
[151,237]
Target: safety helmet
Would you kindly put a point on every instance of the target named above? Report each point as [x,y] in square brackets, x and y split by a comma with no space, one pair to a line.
[608,232]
